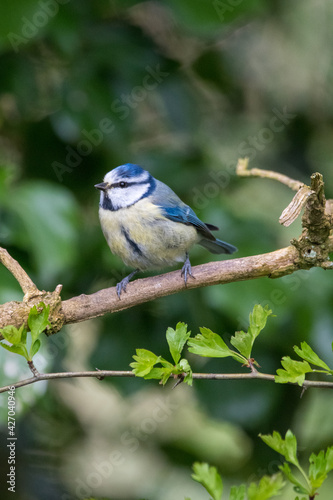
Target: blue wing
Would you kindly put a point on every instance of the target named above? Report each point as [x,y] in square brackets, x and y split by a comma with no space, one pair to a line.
[185,215]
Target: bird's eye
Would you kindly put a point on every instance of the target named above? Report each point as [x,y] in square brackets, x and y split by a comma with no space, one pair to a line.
[122,184]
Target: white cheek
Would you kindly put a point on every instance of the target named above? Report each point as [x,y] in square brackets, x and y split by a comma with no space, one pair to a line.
[124,197]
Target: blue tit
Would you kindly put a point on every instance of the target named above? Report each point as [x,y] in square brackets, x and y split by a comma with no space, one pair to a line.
[147,225]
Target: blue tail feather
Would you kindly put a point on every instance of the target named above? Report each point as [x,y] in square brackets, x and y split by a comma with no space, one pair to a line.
[218,246]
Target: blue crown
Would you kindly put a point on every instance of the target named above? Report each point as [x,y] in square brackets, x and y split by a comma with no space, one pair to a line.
[129,170]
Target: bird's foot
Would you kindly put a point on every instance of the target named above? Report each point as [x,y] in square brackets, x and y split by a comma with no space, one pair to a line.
[187,269]
[121,286]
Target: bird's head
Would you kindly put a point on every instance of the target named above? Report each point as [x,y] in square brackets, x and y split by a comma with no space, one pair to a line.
[125,185]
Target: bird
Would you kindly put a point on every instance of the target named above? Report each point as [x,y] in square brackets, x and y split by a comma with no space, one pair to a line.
[148,226]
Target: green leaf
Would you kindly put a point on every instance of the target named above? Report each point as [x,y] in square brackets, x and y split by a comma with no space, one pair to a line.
[268,487]
[166,363]
[16,349]
[210,344]
[320,465]
[12,334]
[244,341]
[286,447]
[309,355]
[258,319]
[293,479]
[38,320]
[162,374]
[144,362]
[177,339]
[294,371]
[238,492]
[186,368]
[34,348]
[329,459]
[24,335]
[184,365]
[209,478]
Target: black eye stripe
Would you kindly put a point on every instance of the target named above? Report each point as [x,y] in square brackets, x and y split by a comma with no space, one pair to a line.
[123,184]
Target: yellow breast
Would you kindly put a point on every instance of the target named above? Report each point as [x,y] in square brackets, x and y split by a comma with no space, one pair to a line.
[143,238]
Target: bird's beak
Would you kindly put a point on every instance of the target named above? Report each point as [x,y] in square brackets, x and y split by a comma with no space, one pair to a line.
[102,186]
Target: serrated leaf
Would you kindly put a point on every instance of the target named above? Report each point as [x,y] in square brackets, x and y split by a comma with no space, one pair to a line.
[186,368]
[34,348]
[244,341]
[238,492]
[189,379]
[12,334]
[268,487]
[291,448]
[184,365]
[209,344]
[209,478]
[290,476]
[329,459]
[258,319]
[16,349]
[306,353]
[38,320]
[294,371]
[320,465]
[166,363]
[286,447]
[162,374]
[144,362]
[23,335]
[177,339]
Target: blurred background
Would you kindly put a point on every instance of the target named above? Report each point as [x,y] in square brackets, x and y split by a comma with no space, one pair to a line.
[183,89]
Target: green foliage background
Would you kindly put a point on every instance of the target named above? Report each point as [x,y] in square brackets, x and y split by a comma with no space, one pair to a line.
[224,70]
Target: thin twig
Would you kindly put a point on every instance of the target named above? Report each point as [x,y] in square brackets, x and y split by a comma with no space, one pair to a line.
[99,374]
[25,282]
[243,171]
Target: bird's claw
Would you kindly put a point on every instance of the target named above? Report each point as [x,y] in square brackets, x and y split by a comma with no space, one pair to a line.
[121,286]
[187,269]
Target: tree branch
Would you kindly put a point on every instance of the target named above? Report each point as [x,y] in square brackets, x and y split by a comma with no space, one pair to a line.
[273,264]
[25,282]
[311,249]
[243,171]
[100,374]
